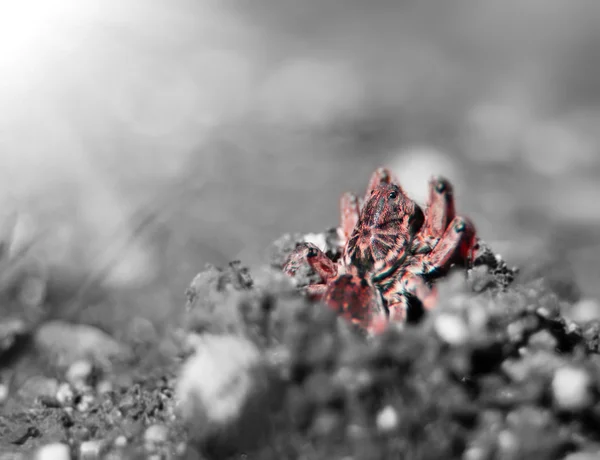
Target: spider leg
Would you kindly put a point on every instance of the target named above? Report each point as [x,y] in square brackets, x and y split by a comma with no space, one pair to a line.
[440,206]
[311,254]
[316,291]
[458,244]
[350,212]
[381,176]
[355,298]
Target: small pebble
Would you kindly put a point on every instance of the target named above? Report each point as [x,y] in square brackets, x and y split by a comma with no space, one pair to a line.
[572,389]
[90,450]
[475,453]
[155,435]
[120,441]
[508,443]
[86,402]
[543,340]
[583,456]
[79,373]
[387,419]
[181,449]
[65,395]
[585,310]
[478,319]
[3,393]
[451,329]
[103,387]
[57,451]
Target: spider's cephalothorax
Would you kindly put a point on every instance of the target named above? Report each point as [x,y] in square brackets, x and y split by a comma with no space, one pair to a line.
[384,234]
[392,251]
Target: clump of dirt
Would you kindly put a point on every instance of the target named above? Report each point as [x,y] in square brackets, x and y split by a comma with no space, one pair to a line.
[496,371]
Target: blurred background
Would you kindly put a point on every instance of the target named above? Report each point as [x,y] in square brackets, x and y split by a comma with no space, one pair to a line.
[140,140]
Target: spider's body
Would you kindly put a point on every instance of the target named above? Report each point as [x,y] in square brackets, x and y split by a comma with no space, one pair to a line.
[392,250]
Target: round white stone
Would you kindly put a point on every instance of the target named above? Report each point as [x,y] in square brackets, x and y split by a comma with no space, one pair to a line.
[156,434]
[65,395]
[387,419]
[571,388]
[217,378]
[79,372]
[120,441]
[3,393]
[451,329]
[57,451]
[90,449]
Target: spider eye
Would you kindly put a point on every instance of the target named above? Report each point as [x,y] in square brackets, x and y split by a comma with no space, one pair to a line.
[393,195]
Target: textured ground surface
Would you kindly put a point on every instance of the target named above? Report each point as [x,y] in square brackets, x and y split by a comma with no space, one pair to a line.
[495,372]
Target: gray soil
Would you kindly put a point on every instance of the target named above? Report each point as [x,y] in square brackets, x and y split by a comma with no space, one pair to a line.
[506,367]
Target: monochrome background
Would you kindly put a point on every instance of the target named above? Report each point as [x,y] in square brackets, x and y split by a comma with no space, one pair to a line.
[141,140]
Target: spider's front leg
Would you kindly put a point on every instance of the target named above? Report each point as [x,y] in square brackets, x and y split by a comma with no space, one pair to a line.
[381,176]
[355,297]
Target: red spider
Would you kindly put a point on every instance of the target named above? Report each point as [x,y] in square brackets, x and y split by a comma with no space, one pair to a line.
[392,252]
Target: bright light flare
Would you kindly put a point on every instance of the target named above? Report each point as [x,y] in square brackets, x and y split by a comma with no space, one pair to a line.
[28,27]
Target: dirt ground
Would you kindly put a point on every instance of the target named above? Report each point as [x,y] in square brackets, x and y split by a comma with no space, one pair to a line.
[502,369]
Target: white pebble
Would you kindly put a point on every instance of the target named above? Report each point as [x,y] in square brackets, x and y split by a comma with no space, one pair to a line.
[478,319]
[57,451]
[585,310]
[156,434]
[451,329]
[217,378]
[507,442]
[90,450]
[223,390]
[65,395]
[583,456]
[86,402]
[79,372]
[103,387]
[3,393]
[387,419]
[571,387]
[474,453]
[120,441]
